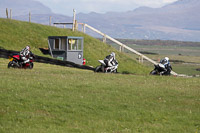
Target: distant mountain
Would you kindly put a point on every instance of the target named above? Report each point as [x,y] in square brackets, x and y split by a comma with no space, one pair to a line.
[176,21]
[39,12]
[23,7]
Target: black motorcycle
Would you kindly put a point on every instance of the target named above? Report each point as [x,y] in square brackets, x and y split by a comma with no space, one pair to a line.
[160,70]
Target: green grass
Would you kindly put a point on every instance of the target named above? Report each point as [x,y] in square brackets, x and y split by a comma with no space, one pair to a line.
[15,35]
[52,98]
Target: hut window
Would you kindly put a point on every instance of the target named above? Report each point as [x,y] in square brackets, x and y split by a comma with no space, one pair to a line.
[79,44]
[63,44]
[56,45]
[74,44]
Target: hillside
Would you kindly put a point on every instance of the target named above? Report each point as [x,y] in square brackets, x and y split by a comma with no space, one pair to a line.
[15,35]
[23,7]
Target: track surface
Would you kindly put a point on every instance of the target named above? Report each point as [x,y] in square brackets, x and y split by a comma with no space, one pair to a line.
[6,53]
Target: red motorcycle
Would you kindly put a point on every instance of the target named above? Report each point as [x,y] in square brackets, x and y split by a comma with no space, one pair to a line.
[17,62]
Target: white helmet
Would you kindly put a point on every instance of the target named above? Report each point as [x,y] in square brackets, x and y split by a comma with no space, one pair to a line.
[27,47]
[166,58]
[113,54]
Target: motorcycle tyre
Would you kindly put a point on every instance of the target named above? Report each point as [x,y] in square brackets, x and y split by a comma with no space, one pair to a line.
[31,65]
[153,72]
[98,69]
[10,64]
[115,71]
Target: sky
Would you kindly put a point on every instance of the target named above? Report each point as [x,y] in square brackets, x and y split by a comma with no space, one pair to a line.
[66,7]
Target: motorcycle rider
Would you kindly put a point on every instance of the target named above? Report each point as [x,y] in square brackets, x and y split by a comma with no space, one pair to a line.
[110,60]
[167,65]
[25,54]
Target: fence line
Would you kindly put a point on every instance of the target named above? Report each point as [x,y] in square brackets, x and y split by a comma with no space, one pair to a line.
[122,46]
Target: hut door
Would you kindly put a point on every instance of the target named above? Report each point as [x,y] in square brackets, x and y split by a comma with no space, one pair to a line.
[75,50]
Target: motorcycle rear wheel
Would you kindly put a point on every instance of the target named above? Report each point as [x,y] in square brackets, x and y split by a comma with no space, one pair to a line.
[31,65]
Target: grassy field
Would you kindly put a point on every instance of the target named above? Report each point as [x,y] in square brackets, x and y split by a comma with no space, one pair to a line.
[53,99]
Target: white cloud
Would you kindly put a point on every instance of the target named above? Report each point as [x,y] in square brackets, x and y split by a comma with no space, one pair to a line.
[100,6]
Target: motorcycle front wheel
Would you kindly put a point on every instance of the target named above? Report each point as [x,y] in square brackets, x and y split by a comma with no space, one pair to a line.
[10,64]
[99,69]
[153,72]
[13,64]
[115,71]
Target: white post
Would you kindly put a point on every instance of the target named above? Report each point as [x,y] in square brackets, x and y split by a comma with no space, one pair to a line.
[120,48]
[104,38]
[29,16]
[83,28]
[74,18]
[142,60]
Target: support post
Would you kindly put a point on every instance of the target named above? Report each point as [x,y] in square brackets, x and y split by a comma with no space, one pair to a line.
[50,20]
[50,49]
[104,38]
[29,17]
[74,18]
[122,49]
[139,59]
[7,13]
[83,28]
[10,13]
[142,59]
[76,26]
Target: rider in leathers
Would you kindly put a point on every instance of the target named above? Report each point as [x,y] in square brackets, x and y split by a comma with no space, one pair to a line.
[25,54]
[167,65]
[110,60]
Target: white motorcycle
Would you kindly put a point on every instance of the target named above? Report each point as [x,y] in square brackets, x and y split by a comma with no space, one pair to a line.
[106,69]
